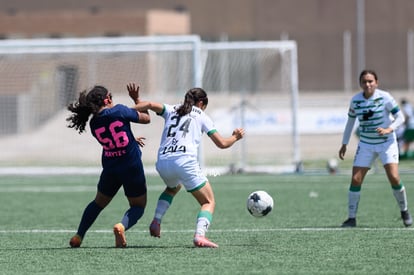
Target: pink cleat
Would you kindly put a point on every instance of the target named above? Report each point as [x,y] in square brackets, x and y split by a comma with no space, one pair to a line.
[155,229]
[201,241]
[119,232]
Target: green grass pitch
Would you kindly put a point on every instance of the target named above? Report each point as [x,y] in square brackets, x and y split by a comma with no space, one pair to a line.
[301,235]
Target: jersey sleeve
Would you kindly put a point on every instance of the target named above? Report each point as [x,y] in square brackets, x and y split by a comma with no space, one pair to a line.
[208,125]
[391,105]
[130,114]
[167,109]
[349,127]
[125,112]
[349,123]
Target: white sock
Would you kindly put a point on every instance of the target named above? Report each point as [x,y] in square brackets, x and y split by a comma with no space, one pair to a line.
[162,207]
[353,201]
[202,226]
[401,197]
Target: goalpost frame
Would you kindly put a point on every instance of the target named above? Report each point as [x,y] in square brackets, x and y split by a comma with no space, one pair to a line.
[164,43]
[291,47]
[103,44]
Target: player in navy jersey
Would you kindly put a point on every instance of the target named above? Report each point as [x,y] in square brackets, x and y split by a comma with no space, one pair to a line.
[121,157]
[177,162]
[374,108]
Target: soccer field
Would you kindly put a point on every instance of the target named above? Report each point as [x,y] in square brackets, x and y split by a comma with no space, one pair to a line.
[301,235]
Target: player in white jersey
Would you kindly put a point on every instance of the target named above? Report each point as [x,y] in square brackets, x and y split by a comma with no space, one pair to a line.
[407,136]
[177,162]
[374,108]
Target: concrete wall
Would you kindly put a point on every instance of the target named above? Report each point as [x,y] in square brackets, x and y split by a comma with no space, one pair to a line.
[317,25]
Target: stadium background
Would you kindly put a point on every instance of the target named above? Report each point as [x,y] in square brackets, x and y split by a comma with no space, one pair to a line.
[318,26]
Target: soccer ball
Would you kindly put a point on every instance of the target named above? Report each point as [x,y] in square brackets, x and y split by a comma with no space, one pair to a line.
[259,203]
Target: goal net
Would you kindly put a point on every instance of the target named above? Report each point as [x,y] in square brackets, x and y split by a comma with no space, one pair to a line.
[250,84]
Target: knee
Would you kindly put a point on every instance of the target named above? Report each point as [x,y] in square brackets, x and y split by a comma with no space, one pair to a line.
[140,201]
[395,181]
[172,191]
[211,202]
[102,200]
[356,181]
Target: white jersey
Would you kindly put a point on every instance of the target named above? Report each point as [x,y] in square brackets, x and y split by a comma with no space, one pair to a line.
[182,135]
[372,113]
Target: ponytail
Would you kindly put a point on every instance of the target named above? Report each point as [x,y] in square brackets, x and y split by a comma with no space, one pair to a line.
[193,96]
[88,103]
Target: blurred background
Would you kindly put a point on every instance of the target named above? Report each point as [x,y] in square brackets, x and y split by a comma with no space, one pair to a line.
[49,52]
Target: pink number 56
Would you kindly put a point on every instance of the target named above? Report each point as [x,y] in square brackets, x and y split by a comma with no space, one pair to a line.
[120,138]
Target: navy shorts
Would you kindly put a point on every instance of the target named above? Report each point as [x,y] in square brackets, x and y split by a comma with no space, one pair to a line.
[131,178]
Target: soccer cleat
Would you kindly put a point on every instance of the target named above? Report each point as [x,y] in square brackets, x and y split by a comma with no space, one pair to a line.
[119,232]
[201,241]
[350,222]
[155,228]
[75,241]
[406,217]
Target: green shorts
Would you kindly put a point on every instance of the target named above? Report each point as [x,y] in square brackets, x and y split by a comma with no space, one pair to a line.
[408,135]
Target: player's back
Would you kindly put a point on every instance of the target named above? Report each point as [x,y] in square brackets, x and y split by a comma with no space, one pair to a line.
[182,134]
[112,129]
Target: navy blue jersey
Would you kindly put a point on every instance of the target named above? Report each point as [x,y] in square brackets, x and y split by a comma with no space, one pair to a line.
[112,128]
[121,155]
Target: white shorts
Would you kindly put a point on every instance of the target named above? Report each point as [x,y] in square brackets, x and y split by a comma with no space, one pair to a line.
[367,153]
[181,171]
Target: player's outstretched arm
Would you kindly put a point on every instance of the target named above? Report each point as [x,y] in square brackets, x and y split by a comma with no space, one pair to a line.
[222,142]
[144,106]
[133,91]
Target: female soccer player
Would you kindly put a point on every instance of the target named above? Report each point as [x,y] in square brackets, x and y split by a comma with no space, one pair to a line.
[373,108]
[177,162]
[121,157]
[408,129]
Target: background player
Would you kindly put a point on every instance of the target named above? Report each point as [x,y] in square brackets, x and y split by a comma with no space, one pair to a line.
[373,108]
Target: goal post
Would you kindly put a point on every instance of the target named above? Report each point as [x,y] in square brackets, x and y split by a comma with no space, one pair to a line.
[250,84]
[40,70]
[263,77]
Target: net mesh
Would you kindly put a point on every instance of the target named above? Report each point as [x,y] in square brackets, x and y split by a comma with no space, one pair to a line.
[246,83]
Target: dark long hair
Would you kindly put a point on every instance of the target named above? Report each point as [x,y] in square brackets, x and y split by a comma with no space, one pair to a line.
[88,103]
[193,96]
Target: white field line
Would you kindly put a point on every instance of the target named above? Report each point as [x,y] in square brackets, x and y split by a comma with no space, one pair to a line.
[27,188]
[61,189]
[46,189]
[303,229]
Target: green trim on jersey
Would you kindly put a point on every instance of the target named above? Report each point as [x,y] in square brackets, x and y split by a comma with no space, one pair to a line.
[163,110]
[211,132]
[374,143]
[395,110]
[198,187]
[372,113]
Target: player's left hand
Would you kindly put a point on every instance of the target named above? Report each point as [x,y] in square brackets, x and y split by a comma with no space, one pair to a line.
[238,133]
[133,91]
[342,152]
[140,141]
[384,131]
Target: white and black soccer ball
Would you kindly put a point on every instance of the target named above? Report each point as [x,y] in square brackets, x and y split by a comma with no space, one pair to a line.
[259,203]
